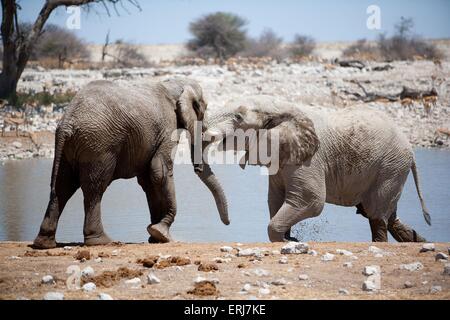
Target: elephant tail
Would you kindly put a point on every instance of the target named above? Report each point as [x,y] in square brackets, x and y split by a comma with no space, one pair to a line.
[60,139]
[426,215]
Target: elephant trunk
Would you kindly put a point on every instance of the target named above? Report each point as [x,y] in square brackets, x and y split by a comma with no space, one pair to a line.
[205,174]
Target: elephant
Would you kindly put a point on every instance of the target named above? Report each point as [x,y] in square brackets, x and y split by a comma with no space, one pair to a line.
[115,131]
[348,157]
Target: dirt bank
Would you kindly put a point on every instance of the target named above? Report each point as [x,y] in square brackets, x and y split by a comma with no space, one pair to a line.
[234,273]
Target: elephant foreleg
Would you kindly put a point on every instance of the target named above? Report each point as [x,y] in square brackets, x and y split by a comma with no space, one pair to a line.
[276,199]
[160,191]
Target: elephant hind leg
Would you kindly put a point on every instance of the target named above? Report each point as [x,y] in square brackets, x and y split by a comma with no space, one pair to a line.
[94,179]
[402,232]
[66,185]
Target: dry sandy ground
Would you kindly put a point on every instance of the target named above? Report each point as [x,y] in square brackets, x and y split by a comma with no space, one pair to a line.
[22,268]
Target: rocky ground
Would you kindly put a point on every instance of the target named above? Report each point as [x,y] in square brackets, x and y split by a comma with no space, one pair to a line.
[318,84]
[226,271]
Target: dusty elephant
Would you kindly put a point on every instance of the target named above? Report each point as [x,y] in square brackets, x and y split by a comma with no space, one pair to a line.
[112,131]
[351,157]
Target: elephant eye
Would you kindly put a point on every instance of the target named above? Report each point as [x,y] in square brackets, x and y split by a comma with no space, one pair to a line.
[238,117]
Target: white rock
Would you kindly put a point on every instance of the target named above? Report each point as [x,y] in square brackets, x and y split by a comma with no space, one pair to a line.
[378,255]
[14,258]
[115,252]
[441,256]
[344,252]
[98,260]
[152,279]
[371,270]
[312,253]
[104,296]
[48,279]
[327,257]
[247,287]
[447,269]
[303,277]
[343,291]
[249,252]
[54,296]
[279,282]
[408,284]
[135,282]
[372,283]
[348,264]
[88,272]
[435,289]
[264,291]
[428,247]
[201,279]
[226,249]
[283,260]
[67,248]
[222,260]
[275,252]
[261,272]
[375,250]
[89,287]
[415,266]
[295,248]
[16,144]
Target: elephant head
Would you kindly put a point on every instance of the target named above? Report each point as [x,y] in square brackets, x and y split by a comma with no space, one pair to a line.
[190,106]
[290,133]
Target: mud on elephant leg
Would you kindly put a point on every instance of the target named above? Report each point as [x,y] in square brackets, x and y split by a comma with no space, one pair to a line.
[65,186]
[160,192]
[94,182]
[379,230]
[402,232]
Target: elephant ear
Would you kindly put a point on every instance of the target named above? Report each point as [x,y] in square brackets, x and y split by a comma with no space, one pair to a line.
[189,109]
[296,135]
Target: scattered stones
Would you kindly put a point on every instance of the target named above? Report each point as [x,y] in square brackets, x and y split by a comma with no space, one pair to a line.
[264,291]
[441,256]
[312,253]
[48,279]
[295,248]
[88,272]
[98,260]
[348,265]
[375,250]
[250,252]
[327,257]
[135,282]
[261,272]
[283,260]
[16,144]
[279,282]
[371,270]
[447,269]
[303,277]
[415,266]
[104,296]
[226,249]
[372,283]
[343,291]
[54,296]
[427,247]
[67,248]
[435,289]
[344,252]
[89,287]
[408,285]
[152,279]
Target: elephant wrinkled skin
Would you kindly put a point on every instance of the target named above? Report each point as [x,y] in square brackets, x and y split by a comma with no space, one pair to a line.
[352,157]
[112,131]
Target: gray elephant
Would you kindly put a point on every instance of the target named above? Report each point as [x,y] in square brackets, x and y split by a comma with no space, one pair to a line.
[115,131]
[352,157]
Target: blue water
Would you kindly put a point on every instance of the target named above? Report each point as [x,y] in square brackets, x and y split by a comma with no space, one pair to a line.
[24,192]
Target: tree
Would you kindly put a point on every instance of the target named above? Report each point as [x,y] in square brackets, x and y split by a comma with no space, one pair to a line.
[18,46]
[267,45]
[220,35]
[302,46]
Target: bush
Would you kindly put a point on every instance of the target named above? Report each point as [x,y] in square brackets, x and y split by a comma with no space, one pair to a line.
[362,50]
[267,45]
[302,46]
[219,35]
[127,55]
[58,43]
